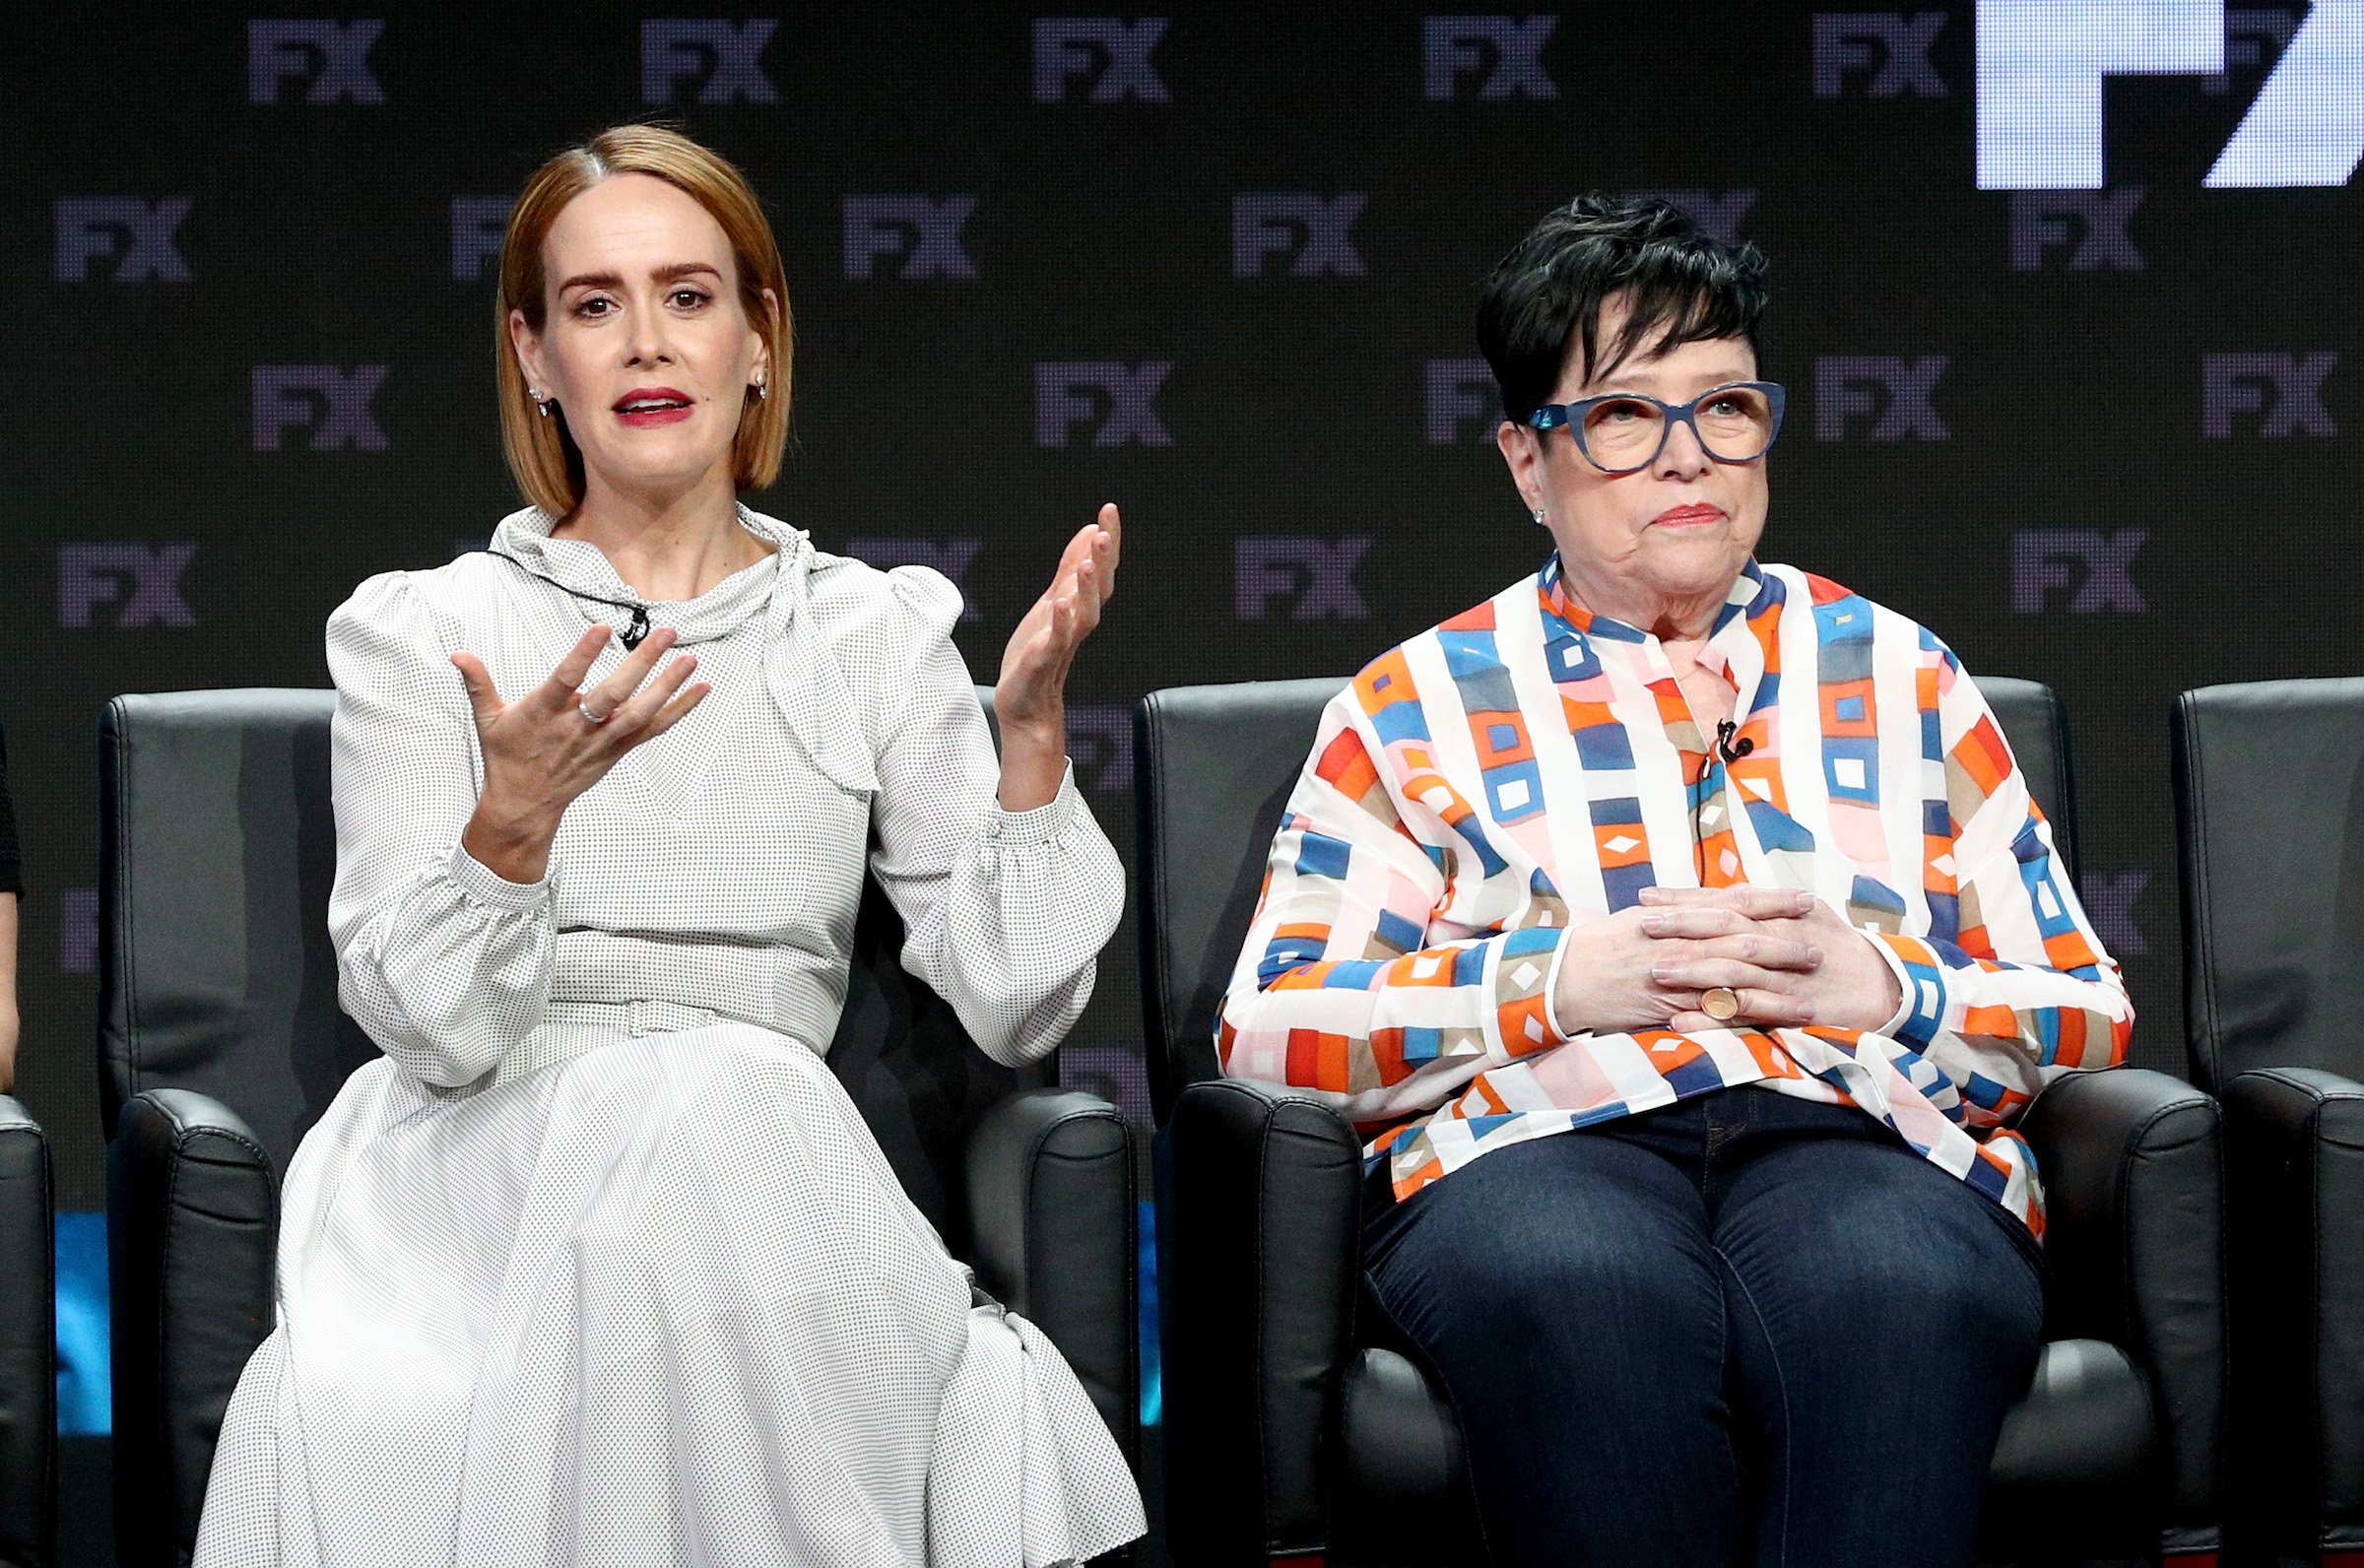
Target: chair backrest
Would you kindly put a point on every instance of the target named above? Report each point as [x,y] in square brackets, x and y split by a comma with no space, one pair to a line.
[1214,765]
[2269,826]
[218,849]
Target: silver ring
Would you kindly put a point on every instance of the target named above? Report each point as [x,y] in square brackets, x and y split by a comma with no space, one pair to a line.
[584,708]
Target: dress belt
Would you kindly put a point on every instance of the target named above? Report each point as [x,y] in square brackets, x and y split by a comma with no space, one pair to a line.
[571,1029]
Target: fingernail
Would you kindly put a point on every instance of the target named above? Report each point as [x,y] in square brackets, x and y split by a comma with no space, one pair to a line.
[1662,972]
[1813,955]
[1651,924]
[1649,895]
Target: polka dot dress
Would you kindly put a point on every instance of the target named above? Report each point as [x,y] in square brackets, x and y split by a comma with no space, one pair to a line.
[599,1264]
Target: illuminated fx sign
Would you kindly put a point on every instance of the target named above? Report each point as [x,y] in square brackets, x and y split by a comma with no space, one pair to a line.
[2042,65]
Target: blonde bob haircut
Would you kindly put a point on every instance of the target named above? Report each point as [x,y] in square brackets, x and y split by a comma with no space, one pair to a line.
[541,454]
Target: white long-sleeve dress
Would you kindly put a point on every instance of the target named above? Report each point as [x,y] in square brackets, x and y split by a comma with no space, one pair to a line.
[598,1265]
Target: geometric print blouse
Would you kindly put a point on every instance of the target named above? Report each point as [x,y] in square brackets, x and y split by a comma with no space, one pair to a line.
[1526,766]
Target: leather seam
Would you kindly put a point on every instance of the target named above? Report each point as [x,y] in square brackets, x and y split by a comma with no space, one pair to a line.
[183,1137]
[122,922]
[1154,820]
[1264,1455]
[2321,1443]
[2205,955]
[1036,1154]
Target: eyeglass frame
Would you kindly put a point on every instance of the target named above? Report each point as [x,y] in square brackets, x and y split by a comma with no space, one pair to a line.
[1552,415]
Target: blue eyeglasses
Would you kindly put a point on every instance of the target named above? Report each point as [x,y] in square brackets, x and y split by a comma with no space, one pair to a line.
[1622,432]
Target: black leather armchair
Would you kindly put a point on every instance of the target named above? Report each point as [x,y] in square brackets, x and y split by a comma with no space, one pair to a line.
[27,1344]
[221,1041]
[2270,800]
[1292,1430]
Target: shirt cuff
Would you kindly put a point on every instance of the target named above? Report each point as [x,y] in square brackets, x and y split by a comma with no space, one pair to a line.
[487,887]
[1039,825]
[1551,1020]
[1921,1008]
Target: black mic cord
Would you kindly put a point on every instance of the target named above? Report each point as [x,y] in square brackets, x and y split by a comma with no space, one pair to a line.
[1726,748]
[632,636]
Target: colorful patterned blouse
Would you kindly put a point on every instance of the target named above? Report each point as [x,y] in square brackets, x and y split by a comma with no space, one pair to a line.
[1528,766]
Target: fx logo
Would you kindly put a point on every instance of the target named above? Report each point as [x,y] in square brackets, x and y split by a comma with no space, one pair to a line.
[1460,391]
[2108,899]
[330,59]
[1109,52]
[135,235]
[950,557]
[144,581]
[1314,576]
[330,406]
[2041,68]
[2093,222]
[2232,384]
[1100,734]
[77,929]
[477,226]
[1894,393]
[2097,566]
[722,57]
[1317,235]
[1118,401]
[1887,49]
[921,232]
[1721,215]
[1507,50]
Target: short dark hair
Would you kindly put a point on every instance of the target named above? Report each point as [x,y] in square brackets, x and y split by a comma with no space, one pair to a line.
[1681,283]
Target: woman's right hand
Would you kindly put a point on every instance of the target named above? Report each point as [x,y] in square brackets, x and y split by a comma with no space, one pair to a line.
[1640,967]
[547,747]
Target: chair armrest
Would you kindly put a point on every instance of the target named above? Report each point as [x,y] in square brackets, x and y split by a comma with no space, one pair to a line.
[28,1343]
[1054,1224]
[2133,1168]
[2294,1157]
[1261,1189]
[192,1210]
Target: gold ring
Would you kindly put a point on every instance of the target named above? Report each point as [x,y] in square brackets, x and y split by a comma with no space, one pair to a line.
[1720,1003]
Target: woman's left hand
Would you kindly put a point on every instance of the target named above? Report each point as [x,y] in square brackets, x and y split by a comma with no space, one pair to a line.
[1029,699]
[1853,988]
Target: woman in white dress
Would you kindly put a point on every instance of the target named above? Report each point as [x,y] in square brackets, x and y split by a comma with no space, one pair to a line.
[599,1264]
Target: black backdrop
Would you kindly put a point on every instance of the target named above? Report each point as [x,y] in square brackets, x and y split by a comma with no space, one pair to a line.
[1217,267]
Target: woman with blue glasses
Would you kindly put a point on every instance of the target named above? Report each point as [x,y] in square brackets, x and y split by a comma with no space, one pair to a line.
[1727,875]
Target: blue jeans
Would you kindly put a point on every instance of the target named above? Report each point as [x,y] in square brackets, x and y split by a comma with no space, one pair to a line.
[1740,1329]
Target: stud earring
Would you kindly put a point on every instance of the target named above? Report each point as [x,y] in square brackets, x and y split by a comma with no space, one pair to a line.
[1542,519]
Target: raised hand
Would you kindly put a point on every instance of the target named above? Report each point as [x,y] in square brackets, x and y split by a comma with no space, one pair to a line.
[547,747]
[1029,698]
[1851,986]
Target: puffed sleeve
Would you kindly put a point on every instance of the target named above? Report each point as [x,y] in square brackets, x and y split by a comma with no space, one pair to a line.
[1007,911]
[443,963]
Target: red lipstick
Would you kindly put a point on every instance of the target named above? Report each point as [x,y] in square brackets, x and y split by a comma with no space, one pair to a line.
[646,406]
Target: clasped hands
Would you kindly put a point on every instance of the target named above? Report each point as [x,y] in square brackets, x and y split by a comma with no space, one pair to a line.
[1792,960]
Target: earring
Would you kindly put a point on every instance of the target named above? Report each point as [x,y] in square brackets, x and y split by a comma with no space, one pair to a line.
[1542,519]
[540,402]
[757,385]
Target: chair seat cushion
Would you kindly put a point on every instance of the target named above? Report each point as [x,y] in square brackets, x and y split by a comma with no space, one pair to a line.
[2074,1462]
